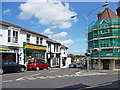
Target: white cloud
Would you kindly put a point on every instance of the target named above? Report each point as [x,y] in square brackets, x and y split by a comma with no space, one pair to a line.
[59,35]
[53,27]
[47,31]
[49,12]
[79,51]
[7,11]
[67,42]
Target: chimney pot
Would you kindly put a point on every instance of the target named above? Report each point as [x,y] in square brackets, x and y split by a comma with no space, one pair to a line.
[99,15]
[118,11]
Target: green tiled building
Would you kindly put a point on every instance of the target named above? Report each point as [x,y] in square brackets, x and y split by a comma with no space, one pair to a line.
[104,40]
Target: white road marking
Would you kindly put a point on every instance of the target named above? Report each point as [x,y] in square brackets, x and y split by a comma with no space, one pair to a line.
[51,77]
[20,79]
[59,76]
[97,86]
[7,81]
[30,78]
[35,74]
[42,77]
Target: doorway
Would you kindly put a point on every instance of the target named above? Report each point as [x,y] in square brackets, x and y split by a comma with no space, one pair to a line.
[106,64]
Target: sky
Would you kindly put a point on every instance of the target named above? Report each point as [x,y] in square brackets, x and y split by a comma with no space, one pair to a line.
[53,19]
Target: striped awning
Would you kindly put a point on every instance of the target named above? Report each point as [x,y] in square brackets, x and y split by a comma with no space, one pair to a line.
[4,49]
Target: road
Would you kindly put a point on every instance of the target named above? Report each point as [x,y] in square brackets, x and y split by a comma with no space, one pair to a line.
[59,78]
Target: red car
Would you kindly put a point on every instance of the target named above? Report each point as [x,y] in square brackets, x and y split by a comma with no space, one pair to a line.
[37,64]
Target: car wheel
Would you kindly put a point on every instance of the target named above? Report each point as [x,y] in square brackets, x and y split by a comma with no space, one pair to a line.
[48,68]
[1,71]
[37,68]
[22,69]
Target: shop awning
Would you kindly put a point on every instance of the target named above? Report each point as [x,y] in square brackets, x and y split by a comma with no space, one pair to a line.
[4,49]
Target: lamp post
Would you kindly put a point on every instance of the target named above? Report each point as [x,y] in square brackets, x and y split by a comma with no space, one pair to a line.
[86,17]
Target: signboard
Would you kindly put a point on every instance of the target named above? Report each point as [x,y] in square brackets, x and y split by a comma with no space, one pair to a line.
[109,54]
[28,46]
[64,58]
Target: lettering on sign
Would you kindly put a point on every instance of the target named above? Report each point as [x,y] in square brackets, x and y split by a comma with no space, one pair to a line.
[35,47]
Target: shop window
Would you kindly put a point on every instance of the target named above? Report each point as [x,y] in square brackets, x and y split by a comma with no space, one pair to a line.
[28,38]
[9,35]
[41,41]
[15,37]
[37,40]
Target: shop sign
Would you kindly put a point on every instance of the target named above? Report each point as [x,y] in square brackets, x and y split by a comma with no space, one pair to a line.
[16,50]
[109,54]
[12,50]
[64,58]
[35,47]
[4,49]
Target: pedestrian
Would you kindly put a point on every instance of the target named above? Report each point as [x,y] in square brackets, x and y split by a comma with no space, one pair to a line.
[83,65]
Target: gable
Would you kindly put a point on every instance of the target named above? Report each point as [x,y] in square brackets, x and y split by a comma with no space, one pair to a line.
[104,21]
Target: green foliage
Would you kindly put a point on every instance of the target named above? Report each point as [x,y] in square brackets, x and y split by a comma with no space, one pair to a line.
[73,57]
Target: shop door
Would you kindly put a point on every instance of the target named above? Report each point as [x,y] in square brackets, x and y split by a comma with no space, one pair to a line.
[105,64]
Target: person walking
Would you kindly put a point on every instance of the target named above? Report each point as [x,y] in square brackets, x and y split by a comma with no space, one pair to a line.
[83,65]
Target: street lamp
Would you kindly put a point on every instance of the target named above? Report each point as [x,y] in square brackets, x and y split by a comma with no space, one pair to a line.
[86,17]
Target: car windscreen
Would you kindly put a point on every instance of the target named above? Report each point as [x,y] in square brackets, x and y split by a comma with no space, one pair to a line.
[31,61]
[40,61]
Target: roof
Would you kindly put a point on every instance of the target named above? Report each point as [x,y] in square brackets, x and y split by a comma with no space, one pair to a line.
[53,41]
[22,28]
[62,46]
[107,13]
[114,20]
[90,26]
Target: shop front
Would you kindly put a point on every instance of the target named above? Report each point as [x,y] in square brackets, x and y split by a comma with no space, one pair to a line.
[64,61]
[53,59]
[9,53]
[32,51]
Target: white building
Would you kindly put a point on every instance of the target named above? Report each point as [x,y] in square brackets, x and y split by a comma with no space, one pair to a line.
[65,60]
[53,53]
[20,44]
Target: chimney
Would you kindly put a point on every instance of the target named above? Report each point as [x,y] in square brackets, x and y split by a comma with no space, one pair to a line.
[118,11]
[99,15]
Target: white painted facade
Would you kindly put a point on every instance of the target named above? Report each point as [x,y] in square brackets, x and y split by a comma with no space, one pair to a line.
[22,37]
[54,48]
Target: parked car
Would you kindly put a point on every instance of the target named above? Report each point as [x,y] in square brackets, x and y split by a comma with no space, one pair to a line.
[79,65]
[10,66]
[72,65]
[37,64]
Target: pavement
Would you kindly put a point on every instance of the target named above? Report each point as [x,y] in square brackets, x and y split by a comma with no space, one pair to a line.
[95,72]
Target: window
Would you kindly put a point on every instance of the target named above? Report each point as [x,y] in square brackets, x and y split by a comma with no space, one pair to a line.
[5,62]
[11,62]
[41,39]
[37,40]
[49,47]
[57,48]
[15,37]
[9,35]
[28,38]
